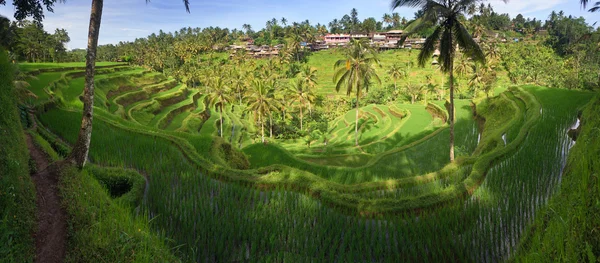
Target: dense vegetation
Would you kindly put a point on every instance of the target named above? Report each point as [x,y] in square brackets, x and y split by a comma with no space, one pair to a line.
[17,194]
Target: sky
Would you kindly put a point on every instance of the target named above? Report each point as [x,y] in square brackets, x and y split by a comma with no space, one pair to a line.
[126,20]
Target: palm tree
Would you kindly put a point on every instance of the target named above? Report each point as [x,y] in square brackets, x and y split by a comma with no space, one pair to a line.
[301,93]
[396,73]
[247,28]
[284,21]
[463,66]
[450,33]
[81,148]
[261,102]
[596,7]
[309,75]
[387,19]
[239,83]
[219,96]
[356,72]
[413,90]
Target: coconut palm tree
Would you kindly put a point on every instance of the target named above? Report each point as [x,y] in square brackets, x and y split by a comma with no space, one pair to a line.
[356,72]
[449,32]
[261,103]
[596,7]
[81,148]
[219,96]
[396,73]
[309,75]
[239,83]
[413,90]
[301,93]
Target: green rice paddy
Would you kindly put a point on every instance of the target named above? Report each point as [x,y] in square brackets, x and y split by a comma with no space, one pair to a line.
[395,198]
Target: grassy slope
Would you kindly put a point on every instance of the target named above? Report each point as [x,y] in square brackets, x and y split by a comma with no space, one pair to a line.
[102,229]
[34,66]
[17,193]
[568,229]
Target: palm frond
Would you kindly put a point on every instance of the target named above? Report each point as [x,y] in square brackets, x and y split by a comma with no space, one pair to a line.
[342,80]
[339,63]
[466,42]
[447,50]
[584,3]
[429,46]
[408,3]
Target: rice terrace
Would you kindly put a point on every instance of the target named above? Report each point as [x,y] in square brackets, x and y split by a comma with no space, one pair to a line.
[446,131]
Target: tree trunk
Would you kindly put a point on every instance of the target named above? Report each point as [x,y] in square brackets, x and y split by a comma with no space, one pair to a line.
[82,145]
[451,113]
[262,128]
[271,126]
[221,120]
[443,89]
[301,117]
[356,121]
[412,99]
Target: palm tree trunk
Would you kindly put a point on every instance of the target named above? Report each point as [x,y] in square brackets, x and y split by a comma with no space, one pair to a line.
[262,128]
[82,145]
[442,93]
[301,117]
[271,126]
[451,113]
[356,122]
[221,120]
[395,86]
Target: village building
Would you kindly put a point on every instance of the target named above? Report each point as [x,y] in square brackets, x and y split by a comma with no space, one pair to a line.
[337,39]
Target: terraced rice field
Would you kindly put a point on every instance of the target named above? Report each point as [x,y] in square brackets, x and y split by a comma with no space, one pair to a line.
[396,198]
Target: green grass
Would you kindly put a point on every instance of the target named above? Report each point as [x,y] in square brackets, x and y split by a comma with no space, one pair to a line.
[402,201]
[566,230]
[190,206]
[105,229]
[49,65]
[41,81]
[17,192]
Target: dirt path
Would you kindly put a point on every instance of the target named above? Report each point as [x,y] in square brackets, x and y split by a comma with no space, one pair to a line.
[51,235]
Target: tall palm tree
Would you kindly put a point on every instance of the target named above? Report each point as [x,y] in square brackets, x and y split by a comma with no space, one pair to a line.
[449,32]
[219,96]
[301,93]
[239,83]
[81,148]
[387,19]
[261,102]
[396,73]
[356,72]
[308,74]
[596,7]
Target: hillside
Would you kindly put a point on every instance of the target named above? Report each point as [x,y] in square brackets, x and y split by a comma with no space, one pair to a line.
[199,186]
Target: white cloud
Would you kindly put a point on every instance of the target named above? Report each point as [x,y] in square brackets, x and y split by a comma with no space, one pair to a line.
[524,7]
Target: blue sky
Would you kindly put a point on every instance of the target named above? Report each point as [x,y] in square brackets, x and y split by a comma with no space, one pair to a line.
[126,20]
